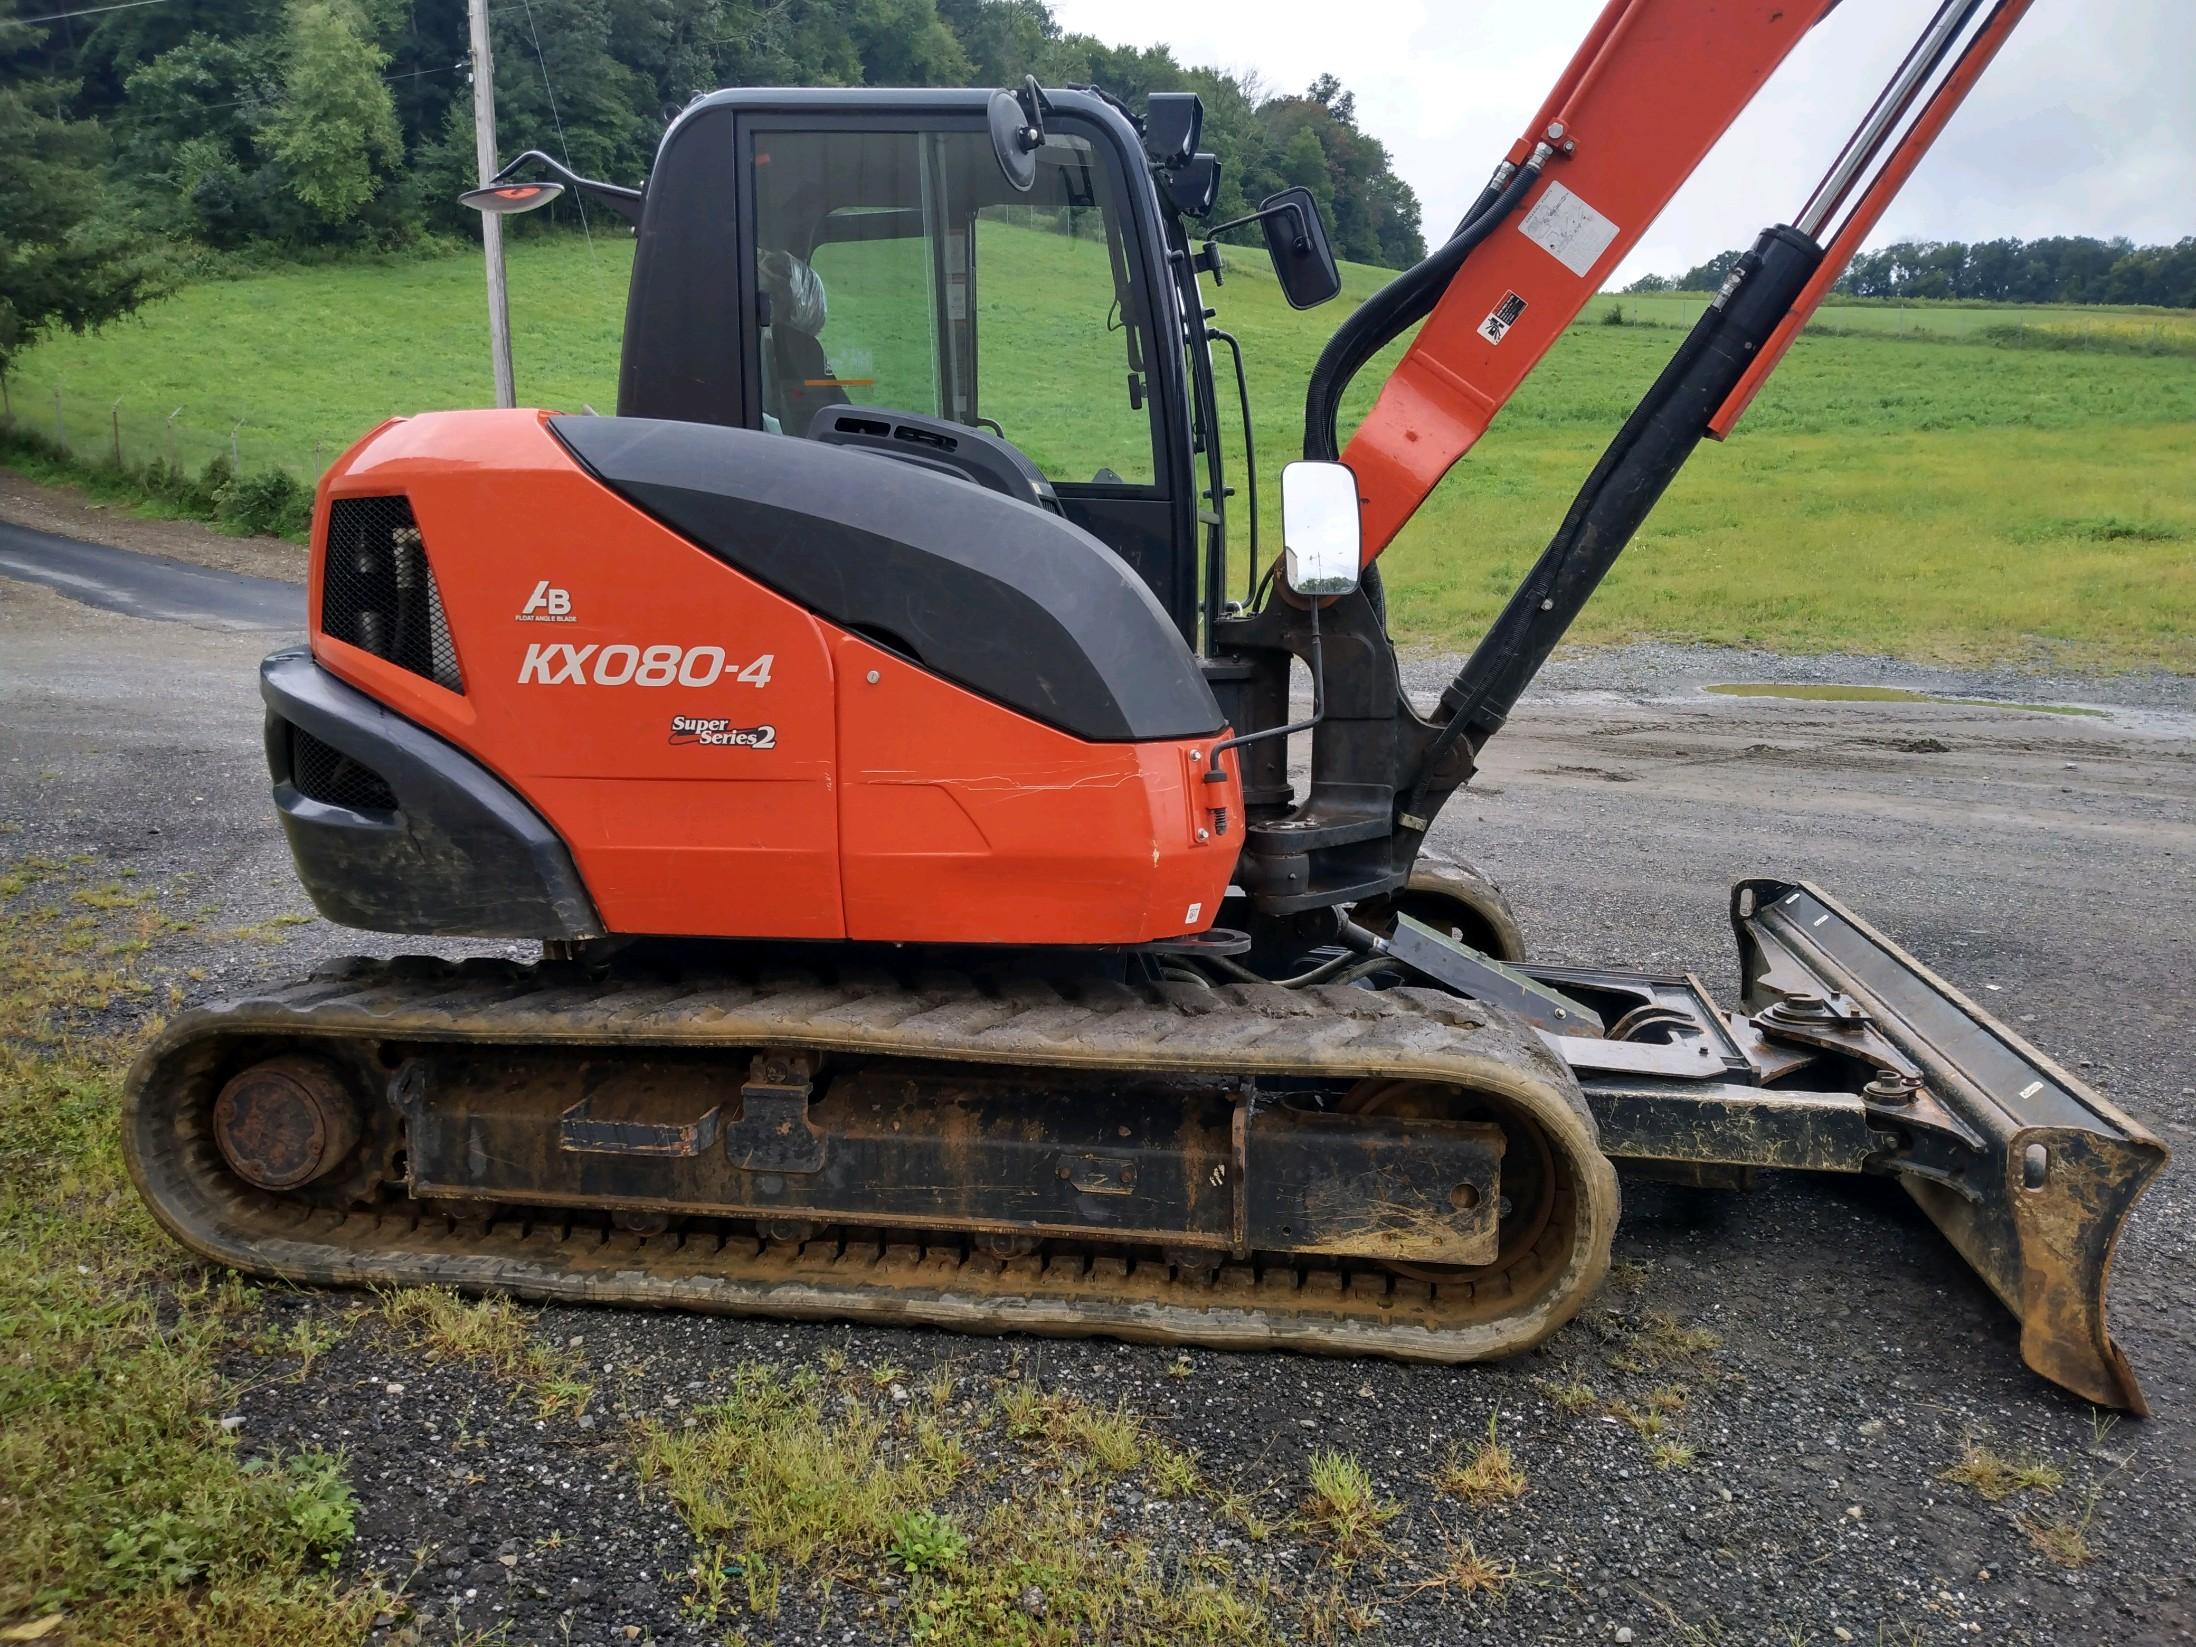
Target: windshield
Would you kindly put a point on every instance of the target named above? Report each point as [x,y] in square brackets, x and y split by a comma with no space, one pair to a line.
[899,269]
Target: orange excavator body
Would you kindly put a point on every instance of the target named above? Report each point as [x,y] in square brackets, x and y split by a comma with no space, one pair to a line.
[720,760]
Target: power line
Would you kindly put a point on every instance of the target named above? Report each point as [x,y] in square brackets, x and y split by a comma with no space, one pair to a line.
[578,196]
[88,11]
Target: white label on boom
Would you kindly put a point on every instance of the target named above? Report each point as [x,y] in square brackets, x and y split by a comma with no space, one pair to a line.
[1567,229]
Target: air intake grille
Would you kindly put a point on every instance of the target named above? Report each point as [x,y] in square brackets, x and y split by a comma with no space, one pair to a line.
[378,593]
[324,773]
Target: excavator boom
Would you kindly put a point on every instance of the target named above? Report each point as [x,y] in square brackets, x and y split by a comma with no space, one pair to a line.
[1644,100]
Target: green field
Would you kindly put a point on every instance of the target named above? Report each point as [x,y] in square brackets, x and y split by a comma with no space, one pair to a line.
[1942,482]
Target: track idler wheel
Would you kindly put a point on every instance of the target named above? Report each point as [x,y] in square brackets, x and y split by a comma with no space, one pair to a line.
[283,1123]
[1455,899]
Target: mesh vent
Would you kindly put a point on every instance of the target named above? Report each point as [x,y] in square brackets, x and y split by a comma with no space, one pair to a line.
[378,593]
[324,773]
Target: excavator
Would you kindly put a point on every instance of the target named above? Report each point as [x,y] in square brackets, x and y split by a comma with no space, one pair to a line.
[950,909]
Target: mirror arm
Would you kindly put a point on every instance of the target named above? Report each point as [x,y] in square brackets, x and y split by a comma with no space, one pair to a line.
[1296,212]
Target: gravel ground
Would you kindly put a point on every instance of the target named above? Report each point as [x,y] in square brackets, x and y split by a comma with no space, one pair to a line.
[2045,860]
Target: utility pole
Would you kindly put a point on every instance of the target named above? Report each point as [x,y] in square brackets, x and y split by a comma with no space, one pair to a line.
[491,224]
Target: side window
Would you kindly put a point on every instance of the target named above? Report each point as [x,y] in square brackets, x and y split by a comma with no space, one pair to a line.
[880,346]
[900,269]
[1054,360]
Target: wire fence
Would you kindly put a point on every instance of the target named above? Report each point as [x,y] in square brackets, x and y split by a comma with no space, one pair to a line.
[131,434]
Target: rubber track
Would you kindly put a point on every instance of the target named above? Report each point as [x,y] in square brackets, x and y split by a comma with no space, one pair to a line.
[1331,1033]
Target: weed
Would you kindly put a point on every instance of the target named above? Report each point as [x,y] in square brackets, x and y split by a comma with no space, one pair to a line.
[940,1387]
[128,1508]
[1173,1474]
[942,1455]
[111,896]
[1662,1339]
[922,1541]
[1345,1502]
[776,1468]
[307,1340]
[1463,1571]
[884,1374]
[1238,1507]
[1109,1436]
[1645,1422]
[1179,1367]
[1490,1476]
[2064,1538]
[1572,1397]
[763,1578]
[1671,1455]
[1997,1477]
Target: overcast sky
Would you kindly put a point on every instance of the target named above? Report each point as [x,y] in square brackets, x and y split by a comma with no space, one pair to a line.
[2086,124]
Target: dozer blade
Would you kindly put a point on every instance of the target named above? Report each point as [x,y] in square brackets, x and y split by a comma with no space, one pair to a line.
[2029,1172]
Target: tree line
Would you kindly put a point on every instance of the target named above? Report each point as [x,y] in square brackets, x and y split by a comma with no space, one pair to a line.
[2058,269]
[143,132]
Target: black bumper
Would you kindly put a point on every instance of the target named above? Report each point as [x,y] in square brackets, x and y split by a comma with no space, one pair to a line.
[459,855]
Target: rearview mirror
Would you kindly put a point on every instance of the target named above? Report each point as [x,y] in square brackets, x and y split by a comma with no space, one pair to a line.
[505,199]
[1320,539]
[1296,240]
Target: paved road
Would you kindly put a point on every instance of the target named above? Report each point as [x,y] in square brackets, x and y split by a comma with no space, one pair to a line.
[2045,863]
[150,586]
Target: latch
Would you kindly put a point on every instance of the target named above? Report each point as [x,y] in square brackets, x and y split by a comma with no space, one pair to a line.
[773,1132]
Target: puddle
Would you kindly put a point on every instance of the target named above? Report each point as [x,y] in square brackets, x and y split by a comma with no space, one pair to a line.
[1891,694]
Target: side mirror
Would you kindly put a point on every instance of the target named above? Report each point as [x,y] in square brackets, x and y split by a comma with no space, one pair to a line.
[1297,242]
[1320,536]
[1017,123]
[506,199]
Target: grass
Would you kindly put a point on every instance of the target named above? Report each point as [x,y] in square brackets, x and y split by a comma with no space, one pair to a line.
[803,1478]
[781,1469]
[1490,1476]
[1463,1571]
[2064,1538]
[1345,1504]
[1572,1397]
[127,1508]
[1917,480]
[494,1334]
[1996,1477]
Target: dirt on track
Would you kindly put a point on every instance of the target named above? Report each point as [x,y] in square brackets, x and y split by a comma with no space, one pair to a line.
[2046,864]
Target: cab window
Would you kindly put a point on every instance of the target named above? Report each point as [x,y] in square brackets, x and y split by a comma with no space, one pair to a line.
[900,270]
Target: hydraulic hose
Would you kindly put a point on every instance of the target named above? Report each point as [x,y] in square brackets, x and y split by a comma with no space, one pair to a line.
[1402,303]
[1665,427]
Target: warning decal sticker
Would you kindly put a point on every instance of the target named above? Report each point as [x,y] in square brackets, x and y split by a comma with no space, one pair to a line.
[1504,316]
[1567,229]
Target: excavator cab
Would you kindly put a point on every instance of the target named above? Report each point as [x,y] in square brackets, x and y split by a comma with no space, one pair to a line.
[983,282]
[942,313]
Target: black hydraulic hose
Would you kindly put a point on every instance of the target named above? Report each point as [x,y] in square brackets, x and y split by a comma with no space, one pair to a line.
[1662,432]
[1486,198]
[1402,303]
